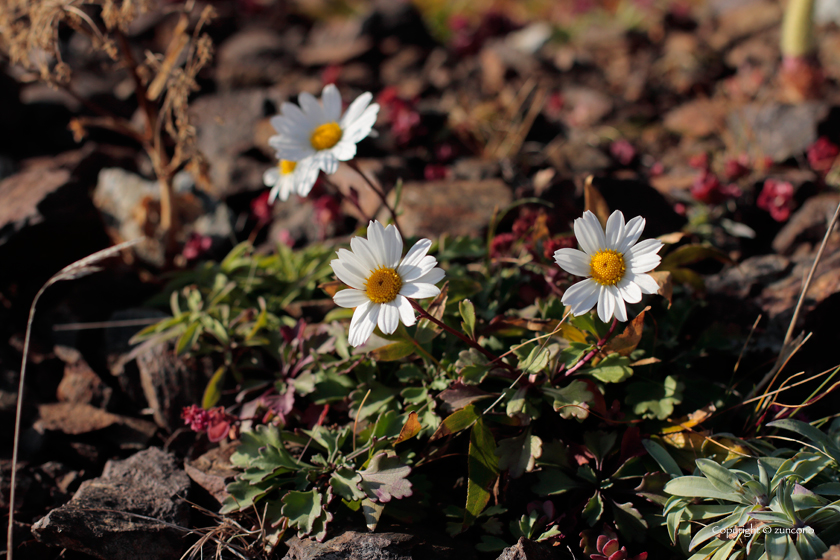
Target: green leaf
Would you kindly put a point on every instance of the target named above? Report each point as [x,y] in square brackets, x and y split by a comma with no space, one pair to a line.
[490,543]
[394,351]
[696,487]
[346,482]
[372,512]
[302,509]
[662,457]
[615,368]
[483,470]
[551,482]
[629,521]
[719,476]
[593,510]
[655,400]
[188,338]
[242,495]
[467,310]
[213,391]
[536,361]
[519,454]
[386,478]
[455,422]
[571,401]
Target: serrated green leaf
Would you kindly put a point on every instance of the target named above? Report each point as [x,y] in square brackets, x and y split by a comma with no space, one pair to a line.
[571,401]
[386,478]
[593,510]
[536,361]
[302,509]
[345,483]
[615,368]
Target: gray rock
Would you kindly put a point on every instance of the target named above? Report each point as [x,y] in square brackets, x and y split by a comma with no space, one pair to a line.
[252,57]
[98,520]
[369,546]
[128,204]
[781,131]
[526,549]
[744,279]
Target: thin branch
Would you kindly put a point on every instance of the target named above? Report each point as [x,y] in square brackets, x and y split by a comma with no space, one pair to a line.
[598,347]
[382,196]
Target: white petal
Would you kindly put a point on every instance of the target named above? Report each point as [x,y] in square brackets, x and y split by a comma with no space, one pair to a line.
[419,291]
[573,261]
[312,108]
[620,309]
[363,323]
[632,232]
[359,129]
[615,229]
[406,311]
[645,282]
[589,233]
[370,259]
[305,176]
[394,246]
[326,161]
[645,263]
[581,297]
[283,189]
[629,291]
[389,317]
[332,103]
[644,247]
[432,277]
[271,176]
[355,109]
[377,242]
[606,304]
[287,148]
[350,298]
[412,273]
[415,254]
[348,274]
[344,150]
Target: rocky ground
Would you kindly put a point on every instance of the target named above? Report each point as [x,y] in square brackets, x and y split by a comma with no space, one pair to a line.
[675,108]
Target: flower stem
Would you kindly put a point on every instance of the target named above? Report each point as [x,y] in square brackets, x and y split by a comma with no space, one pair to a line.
[591,354]
[379,193]
[492,357]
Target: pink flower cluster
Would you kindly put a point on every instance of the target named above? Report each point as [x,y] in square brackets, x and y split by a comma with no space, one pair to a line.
[821,154]
[216,422]
[776,197]
[401,115]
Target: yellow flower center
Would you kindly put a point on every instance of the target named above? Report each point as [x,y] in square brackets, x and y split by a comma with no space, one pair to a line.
[326,136]
[607,267]
[383,285]
[287,166]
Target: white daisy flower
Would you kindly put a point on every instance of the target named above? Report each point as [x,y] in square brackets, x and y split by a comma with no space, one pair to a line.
[381,280]
[290,177]
[319,131]
[614,264]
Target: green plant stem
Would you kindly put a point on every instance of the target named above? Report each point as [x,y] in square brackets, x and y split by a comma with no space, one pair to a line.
[380,194]
[591,354]
[492,357]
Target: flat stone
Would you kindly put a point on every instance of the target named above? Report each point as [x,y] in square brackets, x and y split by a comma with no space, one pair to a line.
[781,131]
[98,520]
[369,546]
[213,471]
[80,383]
[741,280]
[76,419]
[431,209]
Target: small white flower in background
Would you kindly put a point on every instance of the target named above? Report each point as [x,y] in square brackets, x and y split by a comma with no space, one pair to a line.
[614,263]
[381,280]
[318,132]
[289,177]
